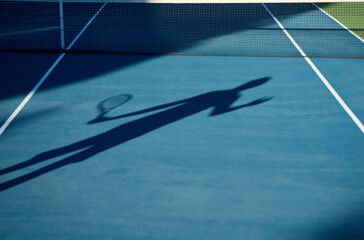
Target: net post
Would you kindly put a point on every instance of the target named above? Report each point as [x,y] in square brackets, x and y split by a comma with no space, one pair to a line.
[61,23]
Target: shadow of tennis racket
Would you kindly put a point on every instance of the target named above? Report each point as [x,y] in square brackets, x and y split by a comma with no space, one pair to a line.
[109,104]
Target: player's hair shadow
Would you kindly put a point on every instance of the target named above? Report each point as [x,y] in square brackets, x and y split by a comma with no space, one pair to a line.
[220,101]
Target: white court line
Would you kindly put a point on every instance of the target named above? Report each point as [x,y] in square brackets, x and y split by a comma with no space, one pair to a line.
[30,95]
[32,92]
[319,74]
[85,27]
[338,22]
[34,30]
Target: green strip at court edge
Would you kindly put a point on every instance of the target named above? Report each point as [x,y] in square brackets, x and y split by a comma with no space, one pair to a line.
[351,14]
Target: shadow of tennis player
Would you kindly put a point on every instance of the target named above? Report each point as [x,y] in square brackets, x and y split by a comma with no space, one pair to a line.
[220,102]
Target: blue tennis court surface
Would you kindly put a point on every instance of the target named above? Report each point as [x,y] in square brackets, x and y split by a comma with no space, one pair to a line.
[182,147]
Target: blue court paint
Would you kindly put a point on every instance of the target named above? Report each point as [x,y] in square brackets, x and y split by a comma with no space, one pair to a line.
[315,32]
[347,78]
[284,168]
[20,72]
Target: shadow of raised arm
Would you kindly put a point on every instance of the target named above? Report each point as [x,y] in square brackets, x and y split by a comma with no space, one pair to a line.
[156,108]
[221,109]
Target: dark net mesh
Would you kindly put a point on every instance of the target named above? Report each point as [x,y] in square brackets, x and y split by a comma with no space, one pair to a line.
[239,29]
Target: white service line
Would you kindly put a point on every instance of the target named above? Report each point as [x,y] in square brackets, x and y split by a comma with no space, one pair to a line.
[319,74]
[85,27]
[32,92]
[338,22]
[30,95]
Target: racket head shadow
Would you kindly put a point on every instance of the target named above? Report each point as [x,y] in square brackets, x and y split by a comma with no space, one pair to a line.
[109,104]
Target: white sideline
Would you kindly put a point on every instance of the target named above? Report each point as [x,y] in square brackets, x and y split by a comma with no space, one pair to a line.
[338,22]
[32,92]
[30,95]
[319,74]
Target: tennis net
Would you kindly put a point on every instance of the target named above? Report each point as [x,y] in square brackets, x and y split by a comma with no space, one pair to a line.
[186,27]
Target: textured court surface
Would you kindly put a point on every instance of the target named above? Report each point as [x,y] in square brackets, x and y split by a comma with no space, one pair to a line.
[206,148]
[289,167]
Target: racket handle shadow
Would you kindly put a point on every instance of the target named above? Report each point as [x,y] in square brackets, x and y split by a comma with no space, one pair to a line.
[97,120]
